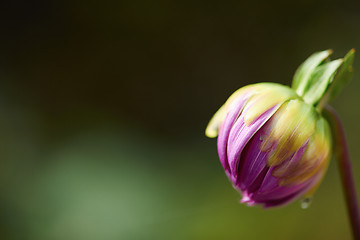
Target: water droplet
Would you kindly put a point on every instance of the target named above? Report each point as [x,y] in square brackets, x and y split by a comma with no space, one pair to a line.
[305,203]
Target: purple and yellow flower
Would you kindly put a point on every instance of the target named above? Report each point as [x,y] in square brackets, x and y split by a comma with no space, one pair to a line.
[273,142]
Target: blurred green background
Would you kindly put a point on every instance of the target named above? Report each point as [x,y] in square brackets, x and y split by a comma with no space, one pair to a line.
[103,107]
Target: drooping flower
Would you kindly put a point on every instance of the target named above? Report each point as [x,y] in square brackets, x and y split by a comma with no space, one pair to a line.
[273,142]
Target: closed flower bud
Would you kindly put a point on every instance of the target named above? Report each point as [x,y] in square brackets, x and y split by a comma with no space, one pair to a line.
[274,145]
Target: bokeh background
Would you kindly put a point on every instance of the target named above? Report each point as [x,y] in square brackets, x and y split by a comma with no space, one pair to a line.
[103,107]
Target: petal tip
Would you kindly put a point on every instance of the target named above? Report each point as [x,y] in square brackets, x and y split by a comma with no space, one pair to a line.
[247,199]
[211,132]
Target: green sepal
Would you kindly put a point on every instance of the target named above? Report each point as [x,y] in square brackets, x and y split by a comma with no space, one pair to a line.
[303,74]
[320,80]
[342,78]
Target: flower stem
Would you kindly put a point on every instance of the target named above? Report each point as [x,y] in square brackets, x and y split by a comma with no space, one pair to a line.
[342,154]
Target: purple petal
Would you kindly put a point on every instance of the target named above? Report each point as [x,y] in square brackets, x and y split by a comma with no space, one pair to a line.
[256,179]
[252,165]
[280,195]
[271,189]
[282,201]
[234,111]
[239,136]
[298,190]
[271,183]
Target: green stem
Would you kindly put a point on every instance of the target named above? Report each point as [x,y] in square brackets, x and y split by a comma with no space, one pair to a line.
[342,154]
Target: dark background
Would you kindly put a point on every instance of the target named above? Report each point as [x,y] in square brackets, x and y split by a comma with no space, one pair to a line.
[103,107]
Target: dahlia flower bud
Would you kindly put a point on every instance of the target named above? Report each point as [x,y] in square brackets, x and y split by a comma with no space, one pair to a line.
[273,142]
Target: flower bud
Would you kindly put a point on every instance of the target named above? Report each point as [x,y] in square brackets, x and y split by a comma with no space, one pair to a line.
[273,146]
